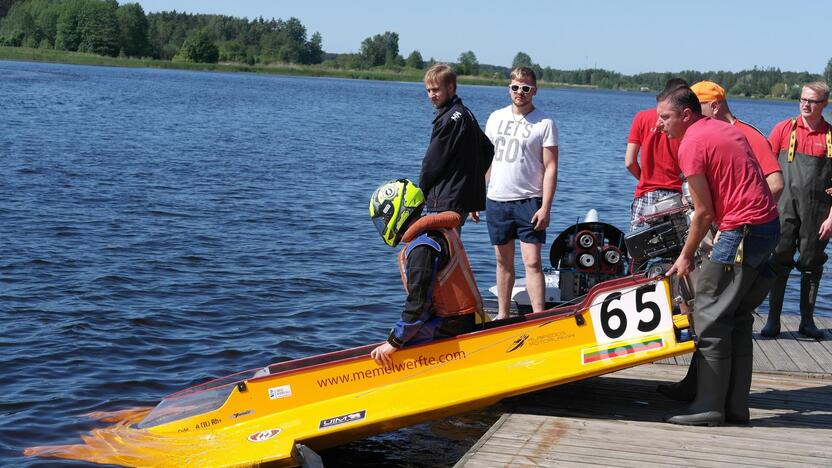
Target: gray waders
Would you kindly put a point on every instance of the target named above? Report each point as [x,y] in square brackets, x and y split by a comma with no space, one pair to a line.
[803,206]
[726,296]
[720,379]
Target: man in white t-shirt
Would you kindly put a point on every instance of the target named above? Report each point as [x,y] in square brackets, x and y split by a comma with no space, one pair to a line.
[523,178]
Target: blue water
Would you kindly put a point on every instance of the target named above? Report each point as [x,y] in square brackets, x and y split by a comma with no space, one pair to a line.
[159,228]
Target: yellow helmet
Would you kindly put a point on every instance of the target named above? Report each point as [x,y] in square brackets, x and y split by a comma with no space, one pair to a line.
[393,206]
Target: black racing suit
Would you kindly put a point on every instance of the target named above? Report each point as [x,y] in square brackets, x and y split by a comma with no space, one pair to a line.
[455,163]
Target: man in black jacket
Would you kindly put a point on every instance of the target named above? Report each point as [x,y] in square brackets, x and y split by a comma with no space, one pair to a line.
[459,154]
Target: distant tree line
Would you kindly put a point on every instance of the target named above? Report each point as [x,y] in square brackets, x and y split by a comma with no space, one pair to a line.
[382,51]
[757,82]
[4,7]
[104,27]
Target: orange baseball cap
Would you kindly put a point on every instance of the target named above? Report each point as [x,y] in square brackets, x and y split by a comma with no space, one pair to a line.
[708,91]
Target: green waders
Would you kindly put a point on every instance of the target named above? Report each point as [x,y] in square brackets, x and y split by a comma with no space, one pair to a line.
[803,206]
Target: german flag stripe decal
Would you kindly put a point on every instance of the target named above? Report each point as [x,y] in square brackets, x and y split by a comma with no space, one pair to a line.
[602,353]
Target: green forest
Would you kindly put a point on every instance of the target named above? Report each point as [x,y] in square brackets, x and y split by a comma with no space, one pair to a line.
[105,28]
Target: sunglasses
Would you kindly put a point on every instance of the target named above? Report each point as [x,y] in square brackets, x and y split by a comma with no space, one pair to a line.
[525,88]
[810,101]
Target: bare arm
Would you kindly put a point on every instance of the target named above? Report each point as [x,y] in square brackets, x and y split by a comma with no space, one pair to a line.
[699,225]
[631,160]
[775,184]
[826,227]
[540,220]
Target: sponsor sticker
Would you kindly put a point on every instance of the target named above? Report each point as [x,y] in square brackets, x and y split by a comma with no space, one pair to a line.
[520,341]
[242,413]
[263,436]
[338,420]
[282,391]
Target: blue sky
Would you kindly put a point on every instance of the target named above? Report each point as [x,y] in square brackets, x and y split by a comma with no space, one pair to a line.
[625,36]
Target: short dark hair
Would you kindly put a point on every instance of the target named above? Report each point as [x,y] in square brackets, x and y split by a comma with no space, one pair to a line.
[681,98]
[676,83]
[673,83]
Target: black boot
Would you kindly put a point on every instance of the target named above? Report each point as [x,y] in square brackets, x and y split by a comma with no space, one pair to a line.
[708,409]
[775,306]
[685,389]
[736,403]
[809,284]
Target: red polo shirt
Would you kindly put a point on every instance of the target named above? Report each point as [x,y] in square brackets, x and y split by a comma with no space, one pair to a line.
[759,145]
[658,155]
[812,143]
[721,153]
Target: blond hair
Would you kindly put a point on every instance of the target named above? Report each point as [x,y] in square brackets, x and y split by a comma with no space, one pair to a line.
[441,74]
[524,73]
[819,87]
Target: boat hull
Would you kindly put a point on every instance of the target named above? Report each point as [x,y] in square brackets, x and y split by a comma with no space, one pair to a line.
[331,399]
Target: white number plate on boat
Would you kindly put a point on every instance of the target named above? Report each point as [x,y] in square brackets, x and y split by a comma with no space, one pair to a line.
[631,312]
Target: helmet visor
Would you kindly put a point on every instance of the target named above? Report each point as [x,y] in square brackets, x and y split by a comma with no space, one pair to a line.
[381,223]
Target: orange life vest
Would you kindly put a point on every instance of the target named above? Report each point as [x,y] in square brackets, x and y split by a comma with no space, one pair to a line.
[455,292]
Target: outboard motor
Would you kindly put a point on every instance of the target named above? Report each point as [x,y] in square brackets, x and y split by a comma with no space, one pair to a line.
[586,254]
[665,234]
[656,246]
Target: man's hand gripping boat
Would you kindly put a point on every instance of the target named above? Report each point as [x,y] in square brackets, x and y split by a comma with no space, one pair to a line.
[325,400]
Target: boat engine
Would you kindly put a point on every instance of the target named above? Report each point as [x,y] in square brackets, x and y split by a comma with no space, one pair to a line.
[656,246]
[666,231]
[586,254]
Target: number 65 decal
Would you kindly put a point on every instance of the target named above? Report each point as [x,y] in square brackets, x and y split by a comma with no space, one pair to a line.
[631,312]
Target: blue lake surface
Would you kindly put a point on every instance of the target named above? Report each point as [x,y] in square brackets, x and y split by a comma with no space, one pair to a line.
[159,228]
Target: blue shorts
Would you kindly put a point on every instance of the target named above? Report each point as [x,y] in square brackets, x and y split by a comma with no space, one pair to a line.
[512,220]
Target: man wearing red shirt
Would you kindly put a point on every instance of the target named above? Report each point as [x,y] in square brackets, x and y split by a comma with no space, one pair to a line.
[804,148]
[712,99]
[728,189]
[658,173]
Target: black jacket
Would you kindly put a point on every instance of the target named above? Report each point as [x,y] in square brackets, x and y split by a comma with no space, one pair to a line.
[459,154]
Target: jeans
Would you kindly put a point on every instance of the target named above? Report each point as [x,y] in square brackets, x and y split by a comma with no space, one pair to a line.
[758,243]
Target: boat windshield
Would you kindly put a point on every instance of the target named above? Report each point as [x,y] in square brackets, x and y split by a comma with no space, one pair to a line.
[180,407]
[199,399]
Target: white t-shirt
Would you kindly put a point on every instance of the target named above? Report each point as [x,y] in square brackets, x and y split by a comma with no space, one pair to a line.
[517,169]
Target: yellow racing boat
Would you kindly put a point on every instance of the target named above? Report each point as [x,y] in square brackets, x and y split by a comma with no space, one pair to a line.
[268,415]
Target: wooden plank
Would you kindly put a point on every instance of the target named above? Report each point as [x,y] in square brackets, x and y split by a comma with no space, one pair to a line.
[613,420]
[485,437]
[826,324]
[790,340]
[654,445]
[821,350]
[637,443]
[737,437]
[773,348]
[761,361]
[817,351]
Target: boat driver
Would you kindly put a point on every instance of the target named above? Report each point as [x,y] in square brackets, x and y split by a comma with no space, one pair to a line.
[442,296]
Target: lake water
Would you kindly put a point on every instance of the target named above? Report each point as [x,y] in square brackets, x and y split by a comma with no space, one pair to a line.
[159,228]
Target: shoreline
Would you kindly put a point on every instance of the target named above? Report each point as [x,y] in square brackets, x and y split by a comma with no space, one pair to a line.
[405,75]
[409,75]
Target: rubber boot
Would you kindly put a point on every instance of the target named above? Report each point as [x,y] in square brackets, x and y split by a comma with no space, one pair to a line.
[708,409]
[736,402]
[775,305]
[809,284]
[685,389]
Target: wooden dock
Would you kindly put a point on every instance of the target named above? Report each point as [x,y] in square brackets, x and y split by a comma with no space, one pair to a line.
[616,419]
